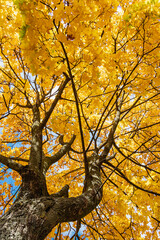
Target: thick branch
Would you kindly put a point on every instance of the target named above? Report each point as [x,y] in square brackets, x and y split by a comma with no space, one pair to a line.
[10,163]
[74,208]
[35,159]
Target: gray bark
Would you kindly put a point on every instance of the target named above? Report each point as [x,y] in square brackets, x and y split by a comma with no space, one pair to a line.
[34,214]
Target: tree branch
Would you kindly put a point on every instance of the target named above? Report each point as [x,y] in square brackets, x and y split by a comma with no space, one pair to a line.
[122,175]
[75,208]
[54,103]
[10,163]
[78,110]
[48,161]
[62,193]
[133,160]
[110,139]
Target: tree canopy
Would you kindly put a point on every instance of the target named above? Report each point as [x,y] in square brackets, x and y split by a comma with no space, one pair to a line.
[88,72]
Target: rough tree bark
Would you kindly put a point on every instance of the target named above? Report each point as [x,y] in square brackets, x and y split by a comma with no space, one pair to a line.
[35,213]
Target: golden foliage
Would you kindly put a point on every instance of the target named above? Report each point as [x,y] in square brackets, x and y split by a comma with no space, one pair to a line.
[109,47]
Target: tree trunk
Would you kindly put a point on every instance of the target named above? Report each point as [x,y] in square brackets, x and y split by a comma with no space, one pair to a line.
[26,220]
[34,213]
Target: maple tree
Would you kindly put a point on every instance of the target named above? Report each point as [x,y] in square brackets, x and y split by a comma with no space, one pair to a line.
[80,101]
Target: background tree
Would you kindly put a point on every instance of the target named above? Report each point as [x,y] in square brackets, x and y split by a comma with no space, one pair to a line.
[80,100]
